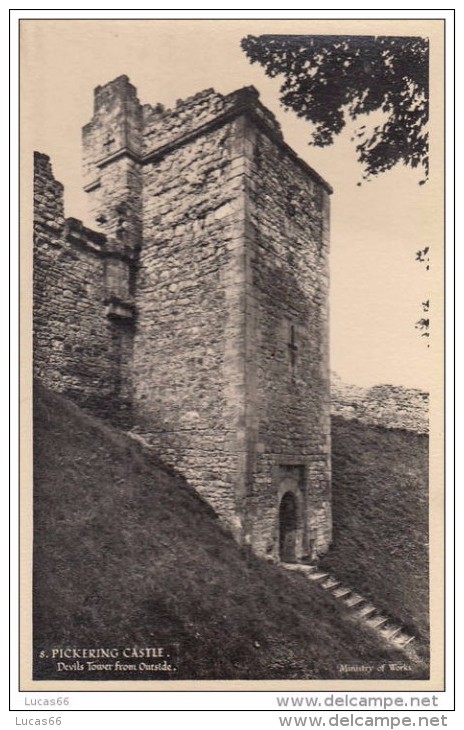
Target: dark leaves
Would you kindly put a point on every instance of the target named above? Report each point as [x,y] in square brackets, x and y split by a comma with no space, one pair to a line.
[328,77]
[423,324]
[423,257]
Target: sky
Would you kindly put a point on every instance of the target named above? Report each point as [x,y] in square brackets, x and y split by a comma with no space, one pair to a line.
[377,286]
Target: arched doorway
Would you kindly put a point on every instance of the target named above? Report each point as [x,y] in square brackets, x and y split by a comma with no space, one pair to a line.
[287,528]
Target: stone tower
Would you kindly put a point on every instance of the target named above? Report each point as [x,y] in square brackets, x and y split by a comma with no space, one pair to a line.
[217,236]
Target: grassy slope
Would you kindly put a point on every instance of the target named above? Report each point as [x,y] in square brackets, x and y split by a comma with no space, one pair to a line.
[127,554]
[380,503]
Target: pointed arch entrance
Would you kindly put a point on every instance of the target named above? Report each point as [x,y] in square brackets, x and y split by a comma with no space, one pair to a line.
[288,523]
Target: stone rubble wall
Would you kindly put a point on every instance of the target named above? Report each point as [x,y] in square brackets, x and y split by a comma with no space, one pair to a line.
[163,126]
[79,349]
[288,417]
[391,406]
[188,400]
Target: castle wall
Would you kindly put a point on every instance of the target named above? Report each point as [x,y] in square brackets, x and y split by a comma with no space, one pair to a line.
[390,406]
[79,350]
[188,350]
[166,126]
[287,374]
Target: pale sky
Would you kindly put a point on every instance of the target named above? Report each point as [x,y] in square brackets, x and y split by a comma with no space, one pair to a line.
[376,284]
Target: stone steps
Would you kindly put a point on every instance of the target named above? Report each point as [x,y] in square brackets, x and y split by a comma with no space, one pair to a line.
[354,599]
[358,607]
[341,592]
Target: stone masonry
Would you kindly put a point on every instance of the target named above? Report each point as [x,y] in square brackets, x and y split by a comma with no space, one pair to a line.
[197,315]
[390,406]
[81,347]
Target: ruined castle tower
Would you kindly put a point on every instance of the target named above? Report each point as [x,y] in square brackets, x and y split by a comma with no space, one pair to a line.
[212,257]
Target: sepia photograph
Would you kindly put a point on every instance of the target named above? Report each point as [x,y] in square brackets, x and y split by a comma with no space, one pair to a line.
[232,267]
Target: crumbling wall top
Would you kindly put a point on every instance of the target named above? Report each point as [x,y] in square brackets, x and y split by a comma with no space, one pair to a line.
[151,130]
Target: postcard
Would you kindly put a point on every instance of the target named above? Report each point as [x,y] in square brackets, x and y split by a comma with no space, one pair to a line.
[232,354]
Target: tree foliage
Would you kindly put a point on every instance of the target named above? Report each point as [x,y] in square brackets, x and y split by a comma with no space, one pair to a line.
[423,324]
[327,78]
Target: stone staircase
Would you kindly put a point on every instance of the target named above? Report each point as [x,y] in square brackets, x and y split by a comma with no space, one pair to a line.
[359,608]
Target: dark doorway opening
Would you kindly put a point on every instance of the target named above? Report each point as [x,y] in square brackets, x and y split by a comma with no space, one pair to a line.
[287,528]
